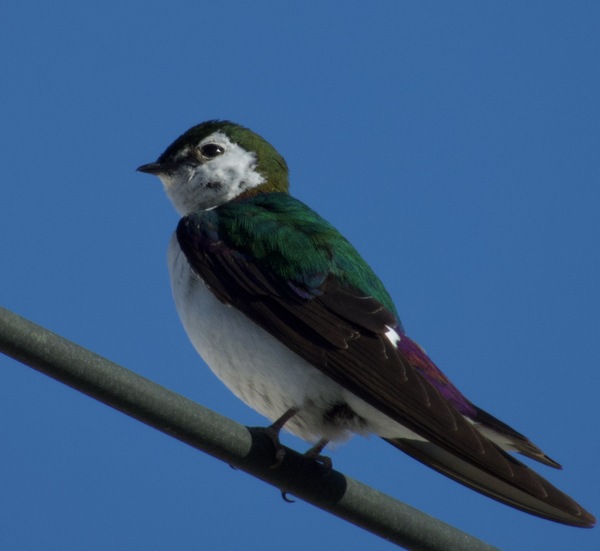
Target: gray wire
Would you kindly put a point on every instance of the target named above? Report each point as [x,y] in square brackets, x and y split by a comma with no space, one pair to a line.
[245,448]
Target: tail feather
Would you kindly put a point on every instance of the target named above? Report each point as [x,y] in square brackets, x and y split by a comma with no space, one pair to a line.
[524,490]
[504,435]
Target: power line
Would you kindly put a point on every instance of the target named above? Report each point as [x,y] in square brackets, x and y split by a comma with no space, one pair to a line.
[247,449]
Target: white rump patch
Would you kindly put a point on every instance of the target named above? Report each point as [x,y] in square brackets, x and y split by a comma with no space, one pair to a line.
[392,336]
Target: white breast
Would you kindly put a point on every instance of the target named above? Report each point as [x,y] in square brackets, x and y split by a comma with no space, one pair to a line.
[260,370]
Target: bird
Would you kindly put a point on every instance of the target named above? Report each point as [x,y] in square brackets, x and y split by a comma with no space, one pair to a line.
[290,317]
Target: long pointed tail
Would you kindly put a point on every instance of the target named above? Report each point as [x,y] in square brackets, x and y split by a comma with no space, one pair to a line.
[525,489]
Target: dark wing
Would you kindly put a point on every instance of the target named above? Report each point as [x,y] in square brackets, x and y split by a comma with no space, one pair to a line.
[342,332]
[486,423]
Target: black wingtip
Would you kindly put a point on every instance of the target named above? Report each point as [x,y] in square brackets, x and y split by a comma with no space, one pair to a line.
[525,490]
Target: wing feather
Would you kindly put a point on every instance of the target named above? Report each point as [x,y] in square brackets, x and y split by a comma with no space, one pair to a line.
[342,332]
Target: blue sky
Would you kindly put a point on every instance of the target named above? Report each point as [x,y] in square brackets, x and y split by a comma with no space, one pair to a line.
[455,144]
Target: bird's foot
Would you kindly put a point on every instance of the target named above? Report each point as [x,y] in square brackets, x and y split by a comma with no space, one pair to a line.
[323,460]
[273,431]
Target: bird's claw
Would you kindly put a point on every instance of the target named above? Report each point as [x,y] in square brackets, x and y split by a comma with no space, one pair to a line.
[284,496]
[323,460]
[273,431]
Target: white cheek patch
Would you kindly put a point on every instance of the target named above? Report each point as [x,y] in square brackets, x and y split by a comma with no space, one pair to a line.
[215,181]
[234,170]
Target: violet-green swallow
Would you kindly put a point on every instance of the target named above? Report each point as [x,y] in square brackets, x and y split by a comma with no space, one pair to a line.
[291,318]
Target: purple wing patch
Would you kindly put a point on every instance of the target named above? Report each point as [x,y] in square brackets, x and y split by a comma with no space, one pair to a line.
[417,357]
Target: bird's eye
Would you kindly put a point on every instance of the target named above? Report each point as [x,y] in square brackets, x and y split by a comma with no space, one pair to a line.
[211,150]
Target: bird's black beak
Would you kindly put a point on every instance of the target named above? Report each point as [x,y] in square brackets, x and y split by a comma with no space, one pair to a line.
[151,168]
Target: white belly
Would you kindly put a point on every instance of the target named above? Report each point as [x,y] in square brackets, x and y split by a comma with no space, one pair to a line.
[261,371]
